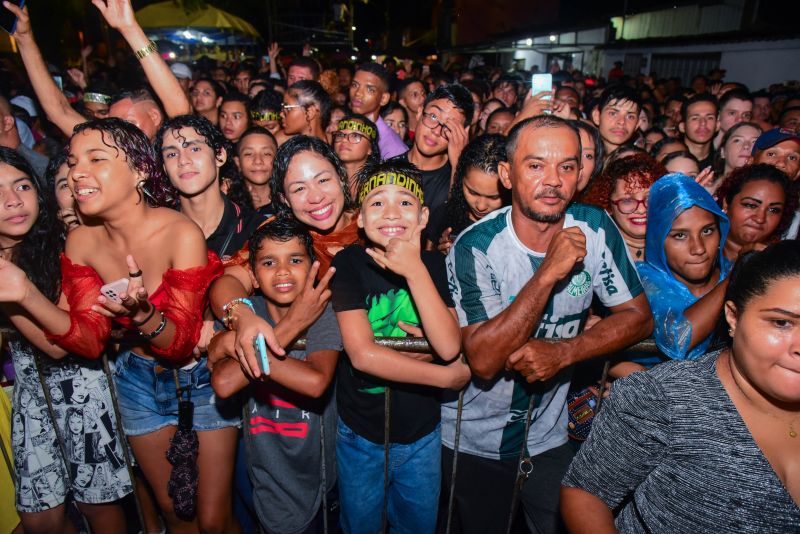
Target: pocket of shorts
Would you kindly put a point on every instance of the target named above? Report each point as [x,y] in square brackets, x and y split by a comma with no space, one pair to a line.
[121,363]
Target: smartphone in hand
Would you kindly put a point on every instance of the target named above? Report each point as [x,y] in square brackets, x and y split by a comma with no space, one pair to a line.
[8,20]
[113,290]
[260,346]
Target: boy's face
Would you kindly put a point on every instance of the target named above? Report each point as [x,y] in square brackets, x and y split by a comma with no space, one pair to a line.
[391,212]
[281,268]
[617,121]
[367,93]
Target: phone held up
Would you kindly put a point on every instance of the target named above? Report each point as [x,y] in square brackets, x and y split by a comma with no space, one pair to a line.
[541,83]
[8,21]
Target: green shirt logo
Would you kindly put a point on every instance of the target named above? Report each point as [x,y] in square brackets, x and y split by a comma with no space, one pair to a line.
[580,284]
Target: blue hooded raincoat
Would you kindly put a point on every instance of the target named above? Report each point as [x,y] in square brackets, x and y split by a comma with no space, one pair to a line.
[670,196]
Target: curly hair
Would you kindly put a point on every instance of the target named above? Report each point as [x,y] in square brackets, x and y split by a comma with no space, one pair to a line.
[281,229]
[738,178]
[139,154]
[639,171]
[483,153]
[38,252]
[283,158]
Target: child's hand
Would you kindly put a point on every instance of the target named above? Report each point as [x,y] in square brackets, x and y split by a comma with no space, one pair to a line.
[401,256]
[220,348]
[311,302]
[415,331]
[457,375]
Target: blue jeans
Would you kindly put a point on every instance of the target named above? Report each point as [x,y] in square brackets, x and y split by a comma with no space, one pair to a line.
[414,483]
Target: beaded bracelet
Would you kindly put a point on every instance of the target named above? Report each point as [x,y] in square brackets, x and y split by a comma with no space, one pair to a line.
[231,306]
[147,50]
[160,328]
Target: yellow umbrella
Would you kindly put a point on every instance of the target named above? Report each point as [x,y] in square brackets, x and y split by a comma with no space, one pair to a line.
[172,15]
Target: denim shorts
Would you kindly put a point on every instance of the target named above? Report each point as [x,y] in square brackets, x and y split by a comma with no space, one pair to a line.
[148,401]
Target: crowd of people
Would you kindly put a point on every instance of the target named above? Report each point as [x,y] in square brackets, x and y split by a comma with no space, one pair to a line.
[198,263]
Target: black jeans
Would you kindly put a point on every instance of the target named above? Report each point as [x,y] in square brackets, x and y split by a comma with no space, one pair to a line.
[484,489]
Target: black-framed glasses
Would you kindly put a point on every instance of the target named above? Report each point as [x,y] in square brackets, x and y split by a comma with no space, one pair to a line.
[627,206]
[430,120]
[352,137]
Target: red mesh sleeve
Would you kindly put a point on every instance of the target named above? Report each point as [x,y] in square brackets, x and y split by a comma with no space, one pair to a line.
[185,299]
[88,330]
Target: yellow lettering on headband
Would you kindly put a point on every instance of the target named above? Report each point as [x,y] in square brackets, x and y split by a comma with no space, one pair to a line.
[352,124]
[265,116]
[391,178]
[97,98]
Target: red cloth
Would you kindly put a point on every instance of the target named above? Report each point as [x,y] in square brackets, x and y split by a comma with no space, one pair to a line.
[337,241]
[182,297]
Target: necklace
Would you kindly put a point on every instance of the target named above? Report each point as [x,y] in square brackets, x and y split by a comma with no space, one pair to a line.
[792,431]
[639,251]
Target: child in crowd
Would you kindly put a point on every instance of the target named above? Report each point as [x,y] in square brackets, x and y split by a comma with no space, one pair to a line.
[288,410]
[389,288]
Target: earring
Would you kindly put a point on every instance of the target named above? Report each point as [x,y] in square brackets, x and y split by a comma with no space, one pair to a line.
[730,332]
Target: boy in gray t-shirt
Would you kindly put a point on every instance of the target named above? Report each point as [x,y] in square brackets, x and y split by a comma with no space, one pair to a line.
[290,411]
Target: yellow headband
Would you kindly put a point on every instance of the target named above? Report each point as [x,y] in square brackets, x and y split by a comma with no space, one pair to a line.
[98,98]
[391,178]
[265,116]
[352,124]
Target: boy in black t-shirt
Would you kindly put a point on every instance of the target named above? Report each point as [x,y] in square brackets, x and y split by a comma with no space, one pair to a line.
[288,410]
[392,288]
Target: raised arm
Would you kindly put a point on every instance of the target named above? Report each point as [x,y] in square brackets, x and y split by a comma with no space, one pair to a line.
[119,15]
[55,104]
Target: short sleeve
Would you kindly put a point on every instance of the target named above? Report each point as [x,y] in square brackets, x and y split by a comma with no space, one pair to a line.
[629,438]
[473,284]
[346,287]
[616,280]
[435,263]
[324,333]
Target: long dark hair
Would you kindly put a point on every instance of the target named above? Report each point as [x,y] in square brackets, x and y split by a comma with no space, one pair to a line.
[38,252]
[482,153]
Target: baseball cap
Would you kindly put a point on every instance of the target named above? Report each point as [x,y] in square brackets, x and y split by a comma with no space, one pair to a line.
[181,70]
[25,103]
[772,137]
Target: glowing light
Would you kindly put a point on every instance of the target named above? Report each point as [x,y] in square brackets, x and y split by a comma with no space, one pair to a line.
[353,58]
[528,42]
[553,38]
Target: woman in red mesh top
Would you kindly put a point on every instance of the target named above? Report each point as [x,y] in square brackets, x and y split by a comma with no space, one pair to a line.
[114,177]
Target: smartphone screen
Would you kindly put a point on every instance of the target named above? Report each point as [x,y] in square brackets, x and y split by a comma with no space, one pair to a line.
[8,21]
[541,82]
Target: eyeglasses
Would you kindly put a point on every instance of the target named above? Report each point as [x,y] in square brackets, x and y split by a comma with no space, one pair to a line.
[432,121]
[627,206]
[352,137]
[288,107]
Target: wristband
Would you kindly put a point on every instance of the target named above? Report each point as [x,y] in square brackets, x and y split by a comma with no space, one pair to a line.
[160,328]
[141,323]
[231,306]
[147,50]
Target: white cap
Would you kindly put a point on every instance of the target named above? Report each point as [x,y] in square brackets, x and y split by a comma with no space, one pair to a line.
[25,103]
[181,70]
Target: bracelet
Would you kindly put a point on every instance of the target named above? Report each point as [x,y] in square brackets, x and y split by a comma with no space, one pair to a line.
[230,307]
[150,315]
[147,50]
[160,328]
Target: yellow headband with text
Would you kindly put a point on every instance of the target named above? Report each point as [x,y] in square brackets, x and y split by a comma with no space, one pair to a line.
[352,124]
[391,178]
[265,116]
[98,98]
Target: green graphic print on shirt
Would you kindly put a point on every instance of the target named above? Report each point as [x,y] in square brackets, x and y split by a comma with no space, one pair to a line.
[384,312]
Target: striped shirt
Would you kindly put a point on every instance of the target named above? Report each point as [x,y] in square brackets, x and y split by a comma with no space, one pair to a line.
[487,267]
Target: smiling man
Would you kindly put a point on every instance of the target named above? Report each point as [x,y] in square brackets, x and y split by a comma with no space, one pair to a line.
[617,115]
[522,280]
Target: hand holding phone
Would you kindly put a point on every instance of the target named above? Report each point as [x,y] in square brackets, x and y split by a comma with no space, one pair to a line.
[541,83]
[113,290]
[260,346]
[8,20]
